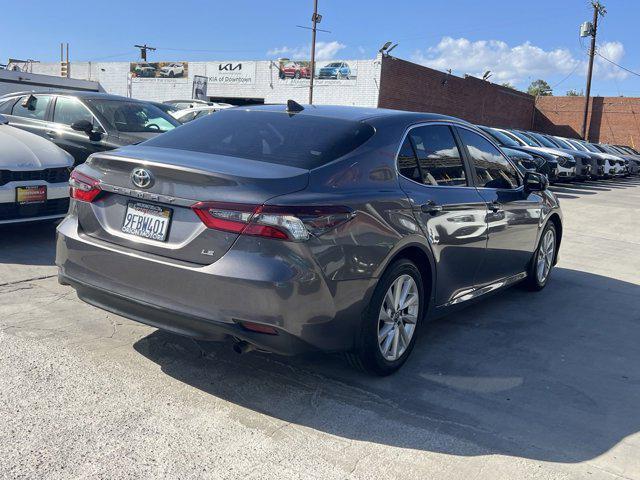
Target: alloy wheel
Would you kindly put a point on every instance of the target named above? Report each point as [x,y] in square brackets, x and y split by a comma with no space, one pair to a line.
[398,317]
[546,255]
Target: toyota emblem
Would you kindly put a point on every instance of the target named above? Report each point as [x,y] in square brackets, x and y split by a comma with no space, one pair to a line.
[141,178]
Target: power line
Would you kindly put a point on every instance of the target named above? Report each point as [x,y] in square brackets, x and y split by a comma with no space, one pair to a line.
[617,65]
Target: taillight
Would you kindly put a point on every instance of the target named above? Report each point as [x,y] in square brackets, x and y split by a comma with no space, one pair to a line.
[273,221]
[82,187]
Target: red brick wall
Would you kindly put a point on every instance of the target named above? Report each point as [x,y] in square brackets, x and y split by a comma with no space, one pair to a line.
[611,119]
[408,86]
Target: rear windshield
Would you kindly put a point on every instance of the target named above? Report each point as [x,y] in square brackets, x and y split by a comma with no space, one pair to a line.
[298,140]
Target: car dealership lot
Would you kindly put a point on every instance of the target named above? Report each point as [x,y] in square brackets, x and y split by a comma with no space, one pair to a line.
[517,386]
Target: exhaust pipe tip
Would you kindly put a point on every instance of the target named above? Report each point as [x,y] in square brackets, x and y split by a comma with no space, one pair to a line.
[242,347]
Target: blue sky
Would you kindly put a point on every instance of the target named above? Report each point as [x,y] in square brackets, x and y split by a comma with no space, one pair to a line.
[517,40]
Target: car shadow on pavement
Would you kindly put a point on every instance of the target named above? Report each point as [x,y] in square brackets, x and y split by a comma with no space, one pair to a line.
[551,376]
[28,244]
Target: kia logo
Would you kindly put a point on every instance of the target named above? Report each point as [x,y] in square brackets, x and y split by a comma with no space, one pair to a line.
[229,67]
[141,178]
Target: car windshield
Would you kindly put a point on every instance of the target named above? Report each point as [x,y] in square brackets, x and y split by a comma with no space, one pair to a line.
[591,147]
[304,141]
[564,144]
[526,139]
[131,116]
[579,146]
[544,141]
[333,65]
[500,137]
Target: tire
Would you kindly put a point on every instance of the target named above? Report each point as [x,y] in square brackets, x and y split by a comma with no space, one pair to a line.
[368,355]
[172,74]
[297,75]
[535,281]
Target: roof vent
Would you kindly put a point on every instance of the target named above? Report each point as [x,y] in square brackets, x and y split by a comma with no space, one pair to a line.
[294,107]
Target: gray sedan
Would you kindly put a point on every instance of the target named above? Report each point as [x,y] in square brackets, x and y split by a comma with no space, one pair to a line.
[297,228]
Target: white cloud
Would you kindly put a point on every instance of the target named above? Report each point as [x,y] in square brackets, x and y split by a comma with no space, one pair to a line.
[514,64]
[324,51]
[614,51]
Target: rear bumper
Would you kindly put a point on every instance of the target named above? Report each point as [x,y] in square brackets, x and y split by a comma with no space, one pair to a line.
[209,302]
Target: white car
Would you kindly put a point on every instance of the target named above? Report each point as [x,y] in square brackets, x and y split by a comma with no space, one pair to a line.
[172,70]
[34,177]
[188,114]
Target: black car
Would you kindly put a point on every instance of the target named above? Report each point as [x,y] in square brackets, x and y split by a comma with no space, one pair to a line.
[83,123]
[544,163]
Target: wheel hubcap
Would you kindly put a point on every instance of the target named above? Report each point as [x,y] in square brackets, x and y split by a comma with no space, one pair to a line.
[546,254]
[398,316]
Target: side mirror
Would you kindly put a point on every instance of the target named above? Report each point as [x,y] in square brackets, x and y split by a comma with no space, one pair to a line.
[3,120]
[535,182]
[83,126]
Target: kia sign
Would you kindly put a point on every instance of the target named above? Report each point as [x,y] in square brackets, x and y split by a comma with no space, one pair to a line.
[231,73]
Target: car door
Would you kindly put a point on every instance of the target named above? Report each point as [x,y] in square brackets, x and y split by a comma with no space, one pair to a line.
[29,113]
[447,206]
[66,111]
[513,214]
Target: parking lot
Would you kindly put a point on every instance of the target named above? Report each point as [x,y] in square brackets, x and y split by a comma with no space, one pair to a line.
[519,386]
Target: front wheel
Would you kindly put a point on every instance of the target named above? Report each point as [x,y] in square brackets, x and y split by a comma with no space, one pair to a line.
[391,321]
[543,260]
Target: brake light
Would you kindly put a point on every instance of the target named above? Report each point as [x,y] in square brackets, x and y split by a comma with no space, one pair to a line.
[273,221]
[83,187]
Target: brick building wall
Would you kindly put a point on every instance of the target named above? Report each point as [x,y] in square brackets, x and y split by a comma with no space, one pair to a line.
[408,86]
[611,119]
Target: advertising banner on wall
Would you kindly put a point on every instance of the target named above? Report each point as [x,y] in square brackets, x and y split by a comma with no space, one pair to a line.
[199,88]
[334,72]
[231,73]
[148,70]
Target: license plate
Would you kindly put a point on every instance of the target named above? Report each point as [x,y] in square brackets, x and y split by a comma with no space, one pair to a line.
[31,194]
[147,221]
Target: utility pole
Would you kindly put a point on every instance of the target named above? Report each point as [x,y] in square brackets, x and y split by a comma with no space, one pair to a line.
[598,10]
[143,51]
[315,19]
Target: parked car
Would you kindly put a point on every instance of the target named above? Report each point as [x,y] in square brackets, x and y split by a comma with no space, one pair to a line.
[585,165]
[189,114]
[624,159]
[295,70]
[566,170]
[544,162]
[83,123]
[598,162]
[335,70]
[633,159]
[144,70]
[294,230]
[172,70]
[186,103]
[33,177]
[614,166]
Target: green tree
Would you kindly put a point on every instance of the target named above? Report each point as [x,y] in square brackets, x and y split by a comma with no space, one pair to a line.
[575,93]
[539,88]
[508,85]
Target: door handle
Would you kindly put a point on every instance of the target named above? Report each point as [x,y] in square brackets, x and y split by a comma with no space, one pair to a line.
[430,207]
[51,133]
[495,207]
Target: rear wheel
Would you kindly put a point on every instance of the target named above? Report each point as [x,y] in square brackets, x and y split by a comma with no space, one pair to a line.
[543,260]
[391,321]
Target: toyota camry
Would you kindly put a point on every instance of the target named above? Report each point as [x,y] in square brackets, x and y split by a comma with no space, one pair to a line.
[295,228]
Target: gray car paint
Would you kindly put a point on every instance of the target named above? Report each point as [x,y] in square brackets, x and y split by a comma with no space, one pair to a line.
[314,292]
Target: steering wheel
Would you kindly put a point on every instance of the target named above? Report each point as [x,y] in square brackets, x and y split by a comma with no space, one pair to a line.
[153,125]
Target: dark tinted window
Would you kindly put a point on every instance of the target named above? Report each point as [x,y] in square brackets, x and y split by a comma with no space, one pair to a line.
[132,116]
[543,140]
[500,137]
[34,108]
[407,162]
[438,156]
[492,169]
[299,140]
[69,110]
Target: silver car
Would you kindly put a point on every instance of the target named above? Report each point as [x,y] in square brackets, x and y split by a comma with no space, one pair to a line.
[306,228]
[33,177]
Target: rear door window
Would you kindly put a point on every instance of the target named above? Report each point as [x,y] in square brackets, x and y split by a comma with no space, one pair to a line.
[492,169]
[69,110]
[31,106]
[305,141]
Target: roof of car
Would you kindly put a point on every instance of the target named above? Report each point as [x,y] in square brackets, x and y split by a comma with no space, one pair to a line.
[354,113]
[78,94]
